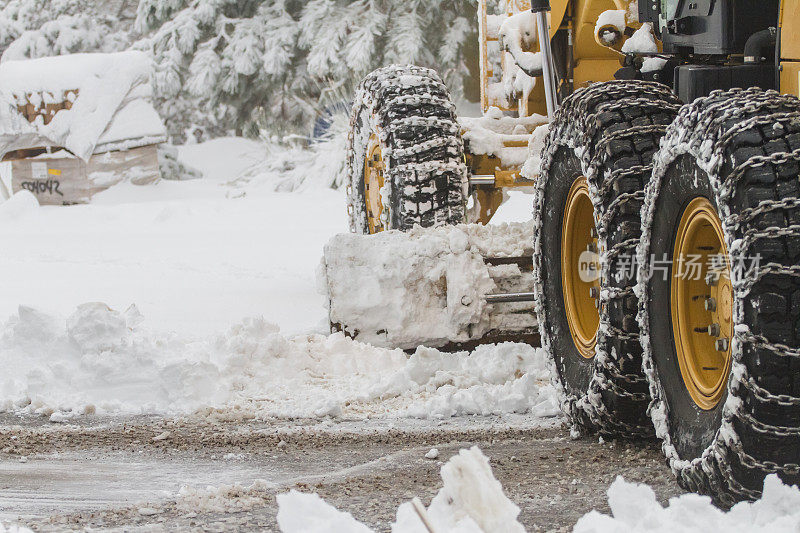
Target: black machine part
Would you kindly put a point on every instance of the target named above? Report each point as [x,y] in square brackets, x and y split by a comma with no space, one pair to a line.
[694,81]
[708,27]
[707,41]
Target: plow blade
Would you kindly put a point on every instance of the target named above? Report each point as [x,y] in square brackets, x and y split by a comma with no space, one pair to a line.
[451,287]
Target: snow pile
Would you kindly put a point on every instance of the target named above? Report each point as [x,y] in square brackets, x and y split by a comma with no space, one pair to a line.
[109,95]
[635,509]
[105,361]
[426,286]
[471,500]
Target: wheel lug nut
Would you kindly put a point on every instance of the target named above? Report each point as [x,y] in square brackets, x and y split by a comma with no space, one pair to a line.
[714,330]
[594,292]
[711,304]
[722,345]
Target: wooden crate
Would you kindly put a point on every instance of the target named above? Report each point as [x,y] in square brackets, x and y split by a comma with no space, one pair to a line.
[70,181]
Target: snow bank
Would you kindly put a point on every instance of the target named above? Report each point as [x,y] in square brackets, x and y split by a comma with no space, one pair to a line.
[105,361]
[426,286]
[470,501]
[635,509]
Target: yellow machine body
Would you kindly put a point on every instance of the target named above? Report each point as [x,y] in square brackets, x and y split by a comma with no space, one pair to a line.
[789,24]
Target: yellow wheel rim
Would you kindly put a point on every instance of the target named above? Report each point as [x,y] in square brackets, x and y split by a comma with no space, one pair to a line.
[580,279]
[702,303]
[373,182]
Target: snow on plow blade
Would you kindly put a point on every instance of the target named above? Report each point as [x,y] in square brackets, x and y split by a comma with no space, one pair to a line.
[432,287]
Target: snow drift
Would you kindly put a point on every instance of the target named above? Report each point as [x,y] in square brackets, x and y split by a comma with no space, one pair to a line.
[105,361]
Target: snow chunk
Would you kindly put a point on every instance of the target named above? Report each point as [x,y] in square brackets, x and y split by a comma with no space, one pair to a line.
[472,495]
[652,64]
[308,513]
[470,501]
[634,508]
[642,41]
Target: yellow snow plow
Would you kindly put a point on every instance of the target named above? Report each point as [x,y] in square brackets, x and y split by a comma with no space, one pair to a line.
[661,144]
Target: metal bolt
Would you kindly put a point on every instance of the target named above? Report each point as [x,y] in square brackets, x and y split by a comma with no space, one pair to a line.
[722,344]
[466,300]
[710,304]
[714,330]
[594,292]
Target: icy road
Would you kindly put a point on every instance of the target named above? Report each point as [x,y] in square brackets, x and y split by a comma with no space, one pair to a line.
[218,476]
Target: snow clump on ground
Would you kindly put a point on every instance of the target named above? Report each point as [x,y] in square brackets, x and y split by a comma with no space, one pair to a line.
[634,508]
[470,501]
[100,360]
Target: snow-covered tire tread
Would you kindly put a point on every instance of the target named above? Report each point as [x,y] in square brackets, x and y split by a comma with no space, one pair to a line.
[411,112]
[614,129]
[748,144]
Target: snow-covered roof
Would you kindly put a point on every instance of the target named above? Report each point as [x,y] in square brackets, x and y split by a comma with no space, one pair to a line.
[92,103]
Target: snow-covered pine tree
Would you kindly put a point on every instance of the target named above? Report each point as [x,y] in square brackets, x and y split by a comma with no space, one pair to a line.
[275,64]
[39,28]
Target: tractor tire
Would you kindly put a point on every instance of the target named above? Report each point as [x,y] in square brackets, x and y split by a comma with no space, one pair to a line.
[404,122]
[730,162]
[606,134]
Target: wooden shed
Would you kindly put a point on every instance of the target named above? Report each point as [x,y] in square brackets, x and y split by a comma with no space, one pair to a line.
[75,125]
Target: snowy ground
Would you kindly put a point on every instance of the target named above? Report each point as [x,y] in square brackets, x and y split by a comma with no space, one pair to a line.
[208,364]
[195,257]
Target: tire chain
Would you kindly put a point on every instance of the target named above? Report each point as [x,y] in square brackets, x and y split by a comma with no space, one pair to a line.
[701,128]
[426,94]
[579,118]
